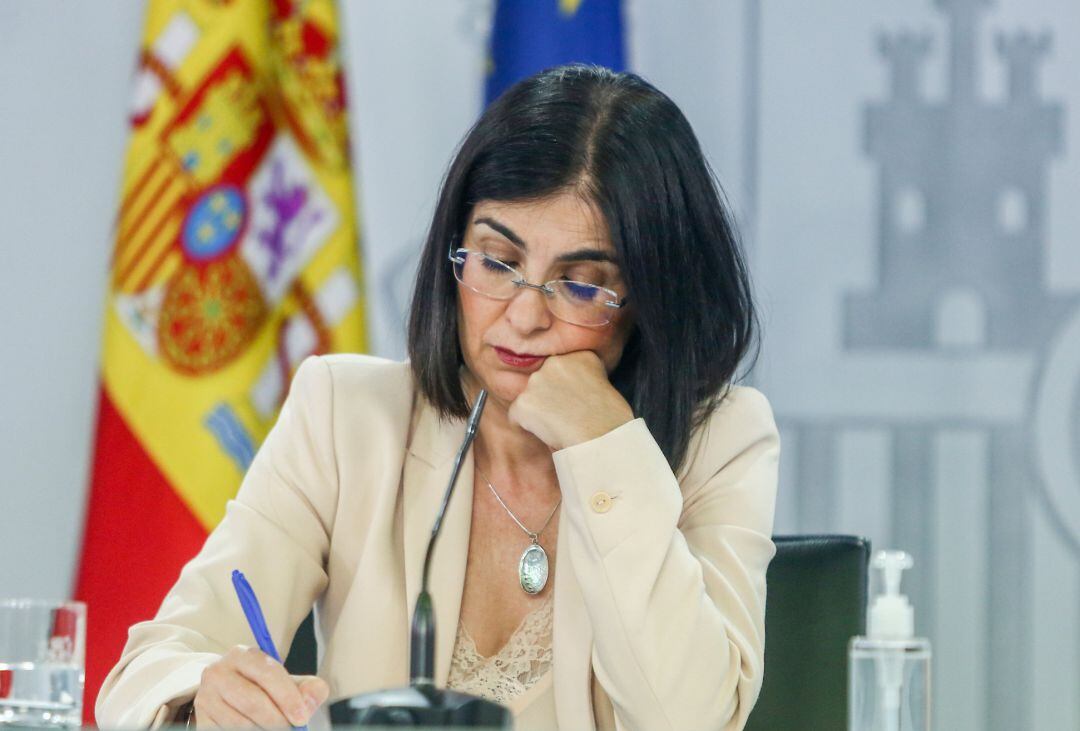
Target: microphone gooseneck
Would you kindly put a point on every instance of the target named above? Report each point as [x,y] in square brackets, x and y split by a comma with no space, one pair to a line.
[422,639]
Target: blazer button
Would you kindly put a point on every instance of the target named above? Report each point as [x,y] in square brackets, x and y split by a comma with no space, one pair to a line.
[601,502]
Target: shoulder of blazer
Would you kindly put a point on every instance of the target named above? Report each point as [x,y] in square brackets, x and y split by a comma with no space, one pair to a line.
[742,423]
[371,401]
[372,394]
[378,388]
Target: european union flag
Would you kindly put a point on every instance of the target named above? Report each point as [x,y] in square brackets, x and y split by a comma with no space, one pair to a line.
[531,35]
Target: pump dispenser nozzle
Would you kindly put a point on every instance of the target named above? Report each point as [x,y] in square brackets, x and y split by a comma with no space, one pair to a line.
[891,563]
[891,614]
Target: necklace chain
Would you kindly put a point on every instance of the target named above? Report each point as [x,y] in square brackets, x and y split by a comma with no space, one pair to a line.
[533,536]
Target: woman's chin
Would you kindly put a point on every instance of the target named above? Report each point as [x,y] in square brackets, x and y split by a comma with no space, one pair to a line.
[504,386]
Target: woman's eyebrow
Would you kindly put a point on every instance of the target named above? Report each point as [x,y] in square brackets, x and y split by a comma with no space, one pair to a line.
[569,257]
[504,230]
[586,255]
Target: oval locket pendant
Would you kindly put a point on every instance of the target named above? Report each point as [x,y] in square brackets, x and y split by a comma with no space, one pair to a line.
[533,568]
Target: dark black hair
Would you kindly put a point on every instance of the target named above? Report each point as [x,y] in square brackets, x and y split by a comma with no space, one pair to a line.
[625,147]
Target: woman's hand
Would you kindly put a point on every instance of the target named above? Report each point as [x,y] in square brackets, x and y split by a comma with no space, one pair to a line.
[248,688]
[569,400]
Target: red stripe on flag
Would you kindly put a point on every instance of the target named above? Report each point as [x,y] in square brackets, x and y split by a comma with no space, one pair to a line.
[138,536]
[130,222]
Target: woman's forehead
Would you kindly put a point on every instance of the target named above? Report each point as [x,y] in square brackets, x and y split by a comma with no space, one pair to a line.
[562,220]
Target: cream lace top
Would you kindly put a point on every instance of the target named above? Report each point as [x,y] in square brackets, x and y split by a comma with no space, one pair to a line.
[522,661]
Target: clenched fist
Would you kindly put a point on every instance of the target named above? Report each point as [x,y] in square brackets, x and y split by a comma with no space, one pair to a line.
[569,400]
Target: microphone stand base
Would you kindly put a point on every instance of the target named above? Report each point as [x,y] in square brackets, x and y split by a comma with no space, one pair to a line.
[420,705]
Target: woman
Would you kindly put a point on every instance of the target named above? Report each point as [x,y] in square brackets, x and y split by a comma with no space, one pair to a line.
[582,268]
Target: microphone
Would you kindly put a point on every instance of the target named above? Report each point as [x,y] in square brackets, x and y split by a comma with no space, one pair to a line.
[420,703]
[422,639]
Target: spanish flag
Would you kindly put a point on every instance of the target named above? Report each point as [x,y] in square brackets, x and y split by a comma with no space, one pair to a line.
[235,257]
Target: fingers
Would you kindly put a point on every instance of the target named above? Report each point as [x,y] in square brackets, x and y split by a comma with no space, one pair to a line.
[314,689]
[212,711]
[253,703]
[248,688]
[573,359]
[272,678]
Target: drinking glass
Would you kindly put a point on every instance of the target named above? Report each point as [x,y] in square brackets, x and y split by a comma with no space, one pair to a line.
[42,661]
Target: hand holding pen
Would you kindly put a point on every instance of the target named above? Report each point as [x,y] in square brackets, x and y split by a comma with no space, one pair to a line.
[249,686]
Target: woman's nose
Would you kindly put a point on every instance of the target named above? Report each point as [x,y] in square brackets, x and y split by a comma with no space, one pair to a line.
[528,310]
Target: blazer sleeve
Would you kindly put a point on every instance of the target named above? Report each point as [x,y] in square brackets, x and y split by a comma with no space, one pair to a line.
[276,531]
[673,576]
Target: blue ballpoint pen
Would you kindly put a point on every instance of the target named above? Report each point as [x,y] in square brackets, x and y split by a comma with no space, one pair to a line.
[253,612]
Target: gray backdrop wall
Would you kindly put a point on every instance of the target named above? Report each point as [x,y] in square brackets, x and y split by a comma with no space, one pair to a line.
[907,180]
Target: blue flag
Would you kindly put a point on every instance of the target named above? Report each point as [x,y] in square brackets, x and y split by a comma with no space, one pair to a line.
[531,35]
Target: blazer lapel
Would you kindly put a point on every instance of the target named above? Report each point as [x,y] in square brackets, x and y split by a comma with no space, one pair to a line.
[572,642]
[427,470]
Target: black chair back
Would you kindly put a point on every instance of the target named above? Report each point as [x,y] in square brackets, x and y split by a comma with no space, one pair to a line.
[816,603]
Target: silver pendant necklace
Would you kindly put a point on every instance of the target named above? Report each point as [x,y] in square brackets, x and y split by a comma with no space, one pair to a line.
[533,564]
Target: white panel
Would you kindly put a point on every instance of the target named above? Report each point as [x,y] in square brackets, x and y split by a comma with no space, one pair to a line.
[66,73]
[415,74]
[1055,614]
[864,494]
[666,39]
[897,385]
[960,581]
[787,496]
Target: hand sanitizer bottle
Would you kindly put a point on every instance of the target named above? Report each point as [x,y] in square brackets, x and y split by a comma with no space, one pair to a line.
[889,668]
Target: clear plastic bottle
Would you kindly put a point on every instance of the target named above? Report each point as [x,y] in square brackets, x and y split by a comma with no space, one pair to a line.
[889,668]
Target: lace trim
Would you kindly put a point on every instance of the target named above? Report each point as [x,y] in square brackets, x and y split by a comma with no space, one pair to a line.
[522,661]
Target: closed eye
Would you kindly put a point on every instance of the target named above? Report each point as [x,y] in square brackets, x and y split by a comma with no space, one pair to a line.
[496,265]
[581,291]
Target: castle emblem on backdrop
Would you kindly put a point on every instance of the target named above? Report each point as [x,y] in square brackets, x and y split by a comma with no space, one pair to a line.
[954,428]
[229,207]
[963,242]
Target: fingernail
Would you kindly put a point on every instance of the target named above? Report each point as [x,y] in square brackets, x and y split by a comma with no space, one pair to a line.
[312,703]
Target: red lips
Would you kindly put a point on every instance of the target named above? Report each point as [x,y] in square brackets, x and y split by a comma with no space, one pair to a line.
[518,360]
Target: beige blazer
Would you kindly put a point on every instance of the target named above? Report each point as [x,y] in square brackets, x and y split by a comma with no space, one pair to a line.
[659,593]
